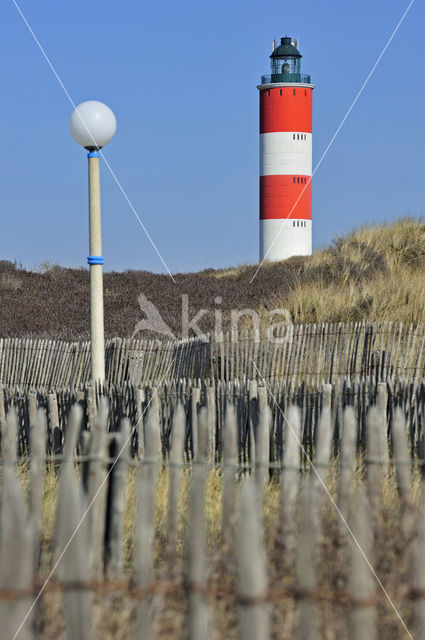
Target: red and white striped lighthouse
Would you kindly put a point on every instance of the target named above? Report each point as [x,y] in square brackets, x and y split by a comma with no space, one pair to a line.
[285,156]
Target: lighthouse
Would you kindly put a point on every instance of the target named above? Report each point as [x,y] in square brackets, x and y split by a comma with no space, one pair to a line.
[285,156]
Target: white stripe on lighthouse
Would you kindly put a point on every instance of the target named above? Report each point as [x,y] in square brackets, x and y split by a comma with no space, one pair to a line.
[281,154]
[280,239]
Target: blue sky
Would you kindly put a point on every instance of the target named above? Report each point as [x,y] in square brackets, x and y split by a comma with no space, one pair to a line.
[181,79]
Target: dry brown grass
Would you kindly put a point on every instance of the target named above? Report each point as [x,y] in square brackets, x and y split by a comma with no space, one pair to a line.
[10,282]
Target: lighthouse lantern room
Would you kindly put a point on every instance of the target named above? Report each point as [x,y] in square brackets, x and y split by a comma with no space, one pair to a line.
[285,156]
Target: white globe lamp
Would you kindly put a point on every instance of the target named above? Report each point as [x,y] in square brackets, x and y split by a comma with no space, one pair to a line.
[92,124]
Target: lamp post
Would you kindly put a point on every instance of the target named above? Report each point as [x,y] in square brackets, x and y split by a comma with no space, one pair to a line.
[93,125]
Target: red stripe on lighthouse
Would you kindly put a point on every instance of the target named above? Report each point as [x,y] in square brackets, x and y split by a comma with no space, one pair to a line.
[278,195]
[286,109]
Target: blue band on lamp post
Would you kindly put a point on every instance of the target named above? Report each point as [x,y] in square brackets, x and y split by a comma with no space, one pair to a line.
[95,260]
[93,154]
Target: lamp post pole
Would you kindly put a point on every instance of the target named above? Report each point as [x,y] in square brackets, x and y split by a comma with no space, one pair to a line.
[95,261]
[92,125]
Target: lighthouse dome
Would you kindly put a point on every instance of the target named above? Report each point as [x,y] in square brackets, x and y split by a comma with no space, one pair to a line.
[286,50]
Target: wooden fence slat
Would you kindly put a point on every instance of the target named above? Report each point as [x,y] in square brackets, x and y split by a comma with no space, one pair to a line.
[14,353]
[229,472]
[262,441]
[71,438]
[16,542]
[306,580]
[361,581]
[176,458]
[375,461]
[401,454]
[97,488]
[347,459]
[290,474]
[2,411]
[198,615]
[37,464]
[55,360]
[117,501]
[2,360]
[7,375]
[56,433]
[418,568]
[253,419]
[140,399]
[32,407]
[289,338]
[254,623]
[212,419]
[195,398]
[144,537]
[322,458]
[72,540]
[91,407]
[381,402]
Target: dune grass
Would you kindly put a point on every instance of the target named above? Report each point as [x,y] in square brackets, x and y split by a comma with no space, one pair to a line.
[374,273]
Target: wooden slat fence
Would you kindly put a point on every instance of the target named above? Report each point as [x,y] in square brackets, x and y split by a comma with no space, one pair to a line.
[290,570]
[314,354]
[51,364]
[128,401]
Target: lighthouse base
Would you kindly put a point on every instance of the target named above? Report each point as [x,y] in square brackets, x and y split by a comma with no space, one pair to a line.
[282,239]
